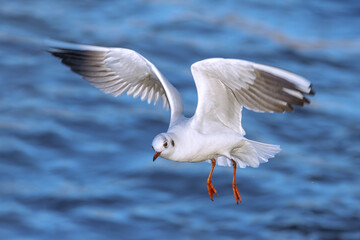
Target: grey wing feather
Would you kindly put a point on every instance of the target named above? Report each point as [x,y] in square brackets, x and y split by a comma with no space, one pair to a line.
[106,69]
[225,85]
[119,70]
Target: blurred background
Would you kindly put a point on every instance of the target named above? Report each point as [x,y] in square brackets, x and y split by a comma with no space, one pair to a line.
[77,164]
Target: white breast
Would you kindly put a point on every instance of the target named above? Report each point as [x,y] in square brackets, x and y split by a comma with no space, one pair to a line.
[194,146]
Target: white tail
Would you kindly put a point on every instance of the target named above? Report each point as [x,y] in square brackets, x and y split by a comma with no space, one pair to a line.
[250,153]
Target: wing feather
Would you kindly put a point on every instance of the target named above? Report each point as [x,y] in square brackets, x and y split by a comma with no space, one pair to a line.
[118,70]
[225,85]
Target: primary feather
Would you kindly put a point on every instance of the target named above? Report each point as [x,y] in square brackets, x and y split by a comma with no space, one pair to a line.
[119,70]
[232,84]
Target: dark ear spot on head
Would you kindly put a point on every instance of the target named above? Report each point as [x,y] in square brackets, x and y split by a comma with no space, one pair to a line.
[173,143]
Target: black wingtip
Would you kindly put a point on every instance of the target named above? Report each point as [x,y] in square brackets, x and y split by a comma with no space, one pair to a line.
[312,92]
[306,100]
[289,107]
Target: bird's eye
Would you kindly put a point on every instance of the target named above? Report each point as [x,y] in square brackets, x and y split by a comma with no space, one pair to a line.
[165,144]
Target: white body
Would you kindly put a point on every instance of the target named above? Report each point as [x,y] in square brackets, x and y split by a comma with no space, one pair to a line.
[195,146]
[224,86]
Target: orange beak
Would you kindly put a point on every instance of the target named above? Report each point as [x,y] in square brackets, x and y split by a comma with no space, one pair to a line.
[156,155]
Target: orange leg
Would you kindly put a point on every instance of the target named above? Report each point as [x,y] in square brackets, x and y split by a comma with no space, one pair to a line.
[235,189]
[210,187]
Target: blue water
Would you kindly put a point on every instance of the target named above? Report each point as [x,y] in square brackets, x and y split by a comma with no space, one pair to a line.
[77,164]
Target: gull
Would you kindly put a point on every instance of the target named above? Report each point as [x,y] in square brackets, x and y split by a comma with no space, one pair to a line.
[224,86]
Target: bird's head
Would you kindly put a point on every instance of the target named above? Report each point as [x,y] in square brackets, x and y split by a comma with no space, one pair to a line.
[163,145]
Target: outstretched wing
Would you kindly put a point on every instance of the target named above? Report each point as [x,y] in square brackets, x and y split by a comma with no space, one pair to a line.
[119,70]
[225,85]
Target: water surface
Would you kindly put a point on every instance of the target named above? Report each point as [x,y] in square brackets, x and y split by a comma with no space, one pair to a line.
[77,164]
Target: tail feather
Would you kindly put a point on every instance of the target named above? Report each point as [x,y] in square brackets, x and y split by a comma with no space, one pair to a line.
[250,153]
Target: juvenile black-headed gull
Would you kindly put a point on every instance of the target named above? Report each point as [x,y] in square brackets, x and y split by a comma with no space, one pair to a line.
[224,86]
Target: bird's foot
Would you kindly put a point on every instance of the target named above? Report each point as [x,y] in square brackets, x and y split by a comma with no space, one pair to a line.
[211,190]
[236,193]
